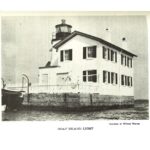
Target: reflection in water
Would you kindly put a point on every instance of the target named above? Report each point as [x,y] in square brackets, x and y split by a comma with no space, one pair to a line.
[139,112]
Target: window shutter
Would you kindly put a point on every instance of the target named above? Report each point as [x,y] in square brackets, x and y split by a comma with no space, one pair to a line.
[104,76]
[104,52]
[128,81]
[116,78]
[131,81]
[94,48]
[121,59]
[112,55]
[125,80]
[108,77]
[122,79]
[128,61]
[84,52]
[112,77]
[61,55]
[84,76]
[125,60]
[131,62]
[70,54]
[108,54]
[115,56]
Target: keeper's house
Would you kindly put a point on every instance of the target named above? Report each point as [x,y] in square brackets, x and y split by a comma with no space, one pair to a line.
[82,63]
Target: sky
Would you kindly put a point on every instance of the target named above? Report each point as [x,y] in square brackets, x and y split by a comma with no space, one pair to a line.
[26,40]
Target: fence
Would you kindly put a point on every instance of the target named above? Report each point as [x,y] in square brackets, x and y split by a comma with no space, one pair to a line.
[73,88]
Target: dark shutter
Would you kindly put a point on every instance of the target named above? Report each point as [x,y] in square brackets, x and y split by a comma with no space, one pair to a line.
[104,77]
[108,77]
[61,55]
[94,51]
[112,77]
[128,61]
[112,55]
[116,78]
[131,81]
[122,79]
[84,52]
[70,54]
[131,62]
[108,54]
[125,60]
[104,51]
[84,76]
[125,80]
[121,59]
[115,56]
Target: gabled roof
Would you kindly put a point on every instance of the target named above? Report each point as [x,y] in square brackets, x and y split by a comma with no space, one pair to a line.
[73,34]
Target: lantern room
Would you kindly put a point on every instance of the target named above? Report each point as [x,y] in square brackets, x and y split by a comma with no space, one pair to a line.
[62,30]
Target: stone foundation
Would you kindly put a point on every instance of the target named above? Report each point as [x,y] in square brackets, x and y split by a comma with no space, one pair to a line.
[78,101]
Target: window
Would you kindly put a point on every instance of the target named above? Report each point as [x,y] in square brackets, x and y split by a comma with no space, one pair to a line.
[64,29]
[112,55]
[90,76]
[66,55]
[125,60]
[104,76]
[126,80]
[122,79]
[128,61]
[58,29]
[89,52]
[104,52]
[109,54]
[110,77]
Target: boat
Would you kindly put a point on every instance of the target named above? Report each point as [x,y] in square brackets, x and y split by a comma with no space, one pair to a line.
[12,99]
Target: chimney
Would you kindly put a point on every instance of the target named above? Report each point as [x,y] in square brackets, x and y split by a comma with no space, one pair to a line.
[124,43]
[107,35]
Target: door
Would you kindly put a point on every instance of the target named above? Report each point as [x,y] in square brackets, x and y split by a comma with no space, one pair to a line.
[63,81]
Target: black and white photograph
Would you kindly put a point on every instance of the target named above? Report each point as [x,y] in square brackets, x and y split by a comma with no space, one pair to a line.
[74,67]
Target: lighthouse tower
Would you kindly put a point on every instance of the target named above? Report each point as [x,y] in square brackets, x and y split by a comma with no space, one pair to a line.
[62,31]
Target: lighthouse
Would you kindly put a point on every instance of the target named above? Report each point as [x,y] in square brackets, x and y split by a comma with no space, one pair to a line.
[62,31]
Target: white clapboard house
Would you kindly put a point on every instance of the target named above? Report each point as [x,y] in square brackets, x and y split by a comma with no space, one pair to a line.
[87,64]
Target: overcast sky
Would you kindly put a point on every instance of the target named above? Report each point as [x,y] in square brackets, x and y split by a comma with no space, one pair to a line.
[26,42]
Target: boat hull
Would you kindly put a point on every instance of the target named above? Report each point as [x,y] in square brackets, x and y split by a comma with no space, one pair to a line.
[12,99]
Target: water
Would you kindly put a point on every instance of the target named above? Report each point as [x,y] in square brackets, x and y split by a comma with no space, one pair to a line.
[139,112]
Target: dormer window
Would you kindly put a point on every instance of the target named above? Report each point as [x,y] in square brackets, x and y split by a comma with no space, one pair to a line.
[89,52]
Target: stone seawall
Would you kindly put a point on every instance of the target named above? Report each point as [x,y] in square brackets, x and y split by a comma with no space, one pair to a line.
[78,100]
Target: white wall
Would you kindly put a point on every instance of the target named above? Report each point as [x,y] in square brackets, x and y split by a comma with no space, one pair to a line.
[76,67]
